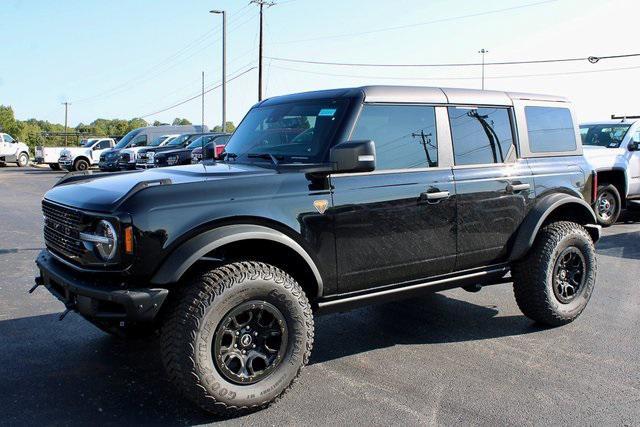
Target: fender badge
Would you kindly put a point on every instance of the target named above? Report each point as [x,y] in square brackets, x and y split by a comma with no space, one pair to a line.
[321,205]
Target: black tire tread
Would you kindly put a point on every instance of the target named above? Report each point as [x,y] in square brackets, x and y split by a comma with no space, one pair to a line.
[188,309]
[530,272]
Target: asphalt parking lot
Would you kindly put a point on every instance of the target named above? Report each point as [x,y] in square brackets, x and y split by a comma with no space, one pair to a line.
[448,358]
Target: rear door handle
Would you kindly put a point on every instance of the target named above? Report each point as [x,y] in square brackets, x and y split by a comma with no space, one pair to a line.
[512,188]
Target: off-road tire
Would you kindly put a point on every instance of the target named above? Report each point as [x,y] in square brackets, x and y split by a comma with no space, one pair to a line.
[533,276]
[23,160]
[194,316]
[80,165]
[55,166]
[614,195]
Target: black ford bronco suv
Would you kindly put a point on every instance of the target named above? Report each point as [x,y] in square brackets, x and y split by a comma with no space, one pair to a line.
[324,201]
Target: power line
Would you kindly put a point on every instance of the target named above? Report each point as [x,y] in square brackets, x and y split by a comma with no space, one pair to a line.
[197,96]
[434,21]
[458,78]
[166,64]
[591,59]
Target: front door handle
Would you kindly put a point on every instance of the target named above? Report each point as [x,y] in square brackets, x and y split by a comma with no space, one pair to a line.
[512,188]
[434,196]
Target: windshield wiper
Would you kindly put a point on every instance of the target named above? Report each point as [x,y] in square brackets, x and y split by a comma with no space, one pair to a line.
[267,156]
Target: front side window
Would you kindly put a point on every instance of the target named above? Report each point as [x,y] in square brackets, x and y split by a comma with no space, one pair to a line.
[273,130]
[603,135]
[550,129]
[481,135]
[104,144]
[8,138]
[405,135]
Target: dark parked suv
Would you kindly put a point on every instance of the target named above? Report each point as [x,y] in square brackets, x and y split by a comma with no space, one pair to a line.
[388,192]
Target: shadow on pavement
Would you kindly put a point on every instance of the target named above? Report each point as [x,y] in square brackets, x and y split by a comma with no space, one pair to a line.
[70,373]
[431,319]
[622,245]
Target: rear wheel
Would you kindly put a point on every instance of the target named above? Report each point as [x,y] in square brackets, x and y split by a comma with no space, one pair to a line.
[554,282]
[23,160]
[608,205]
[81,165]
[54,166]
[237,337]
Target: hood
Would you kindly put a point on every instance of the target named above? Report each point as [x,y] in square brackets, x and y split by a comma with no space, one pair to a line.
[160,149]
[110,151]
[593,151]
[175,151]
[103,192]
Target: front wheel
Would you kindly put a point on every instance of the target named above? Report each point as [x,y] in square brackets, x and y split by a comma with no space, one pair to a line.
[554,282]
[237,336]
[608,205]
[81,165]
[23,160]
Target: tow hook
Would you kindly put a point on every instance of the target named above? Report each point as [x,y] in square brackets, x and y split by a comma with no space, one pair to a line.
[39,282]
[69,307]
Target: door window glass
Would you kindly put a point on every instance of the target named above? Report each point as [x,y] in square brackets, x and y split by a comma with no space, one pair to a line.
[481,135]
[405,136]
[7,138]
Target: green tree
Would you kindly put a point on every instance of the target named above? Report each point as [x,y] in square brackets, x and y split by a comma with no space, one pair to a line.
[230,128]
[180,122]
[159,123]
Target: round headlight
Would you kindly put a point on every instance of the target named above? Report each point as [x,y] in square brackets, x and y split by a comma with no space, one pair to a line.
[106,248]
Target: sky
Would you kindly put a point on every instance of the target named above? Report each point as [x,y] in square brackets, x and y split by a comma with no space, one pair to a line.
[125,58]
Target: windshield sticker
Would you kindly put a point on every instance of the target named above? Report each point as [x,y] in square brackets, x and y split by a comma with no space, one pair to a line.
[613,145]
[327,112]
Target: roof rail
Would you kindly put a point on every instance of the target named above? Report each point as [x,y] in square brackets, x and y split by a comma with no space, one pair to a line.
[623,118]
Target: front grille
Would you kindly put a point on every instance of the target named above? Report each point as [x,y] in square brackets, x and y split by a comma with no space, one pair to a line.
[62,230]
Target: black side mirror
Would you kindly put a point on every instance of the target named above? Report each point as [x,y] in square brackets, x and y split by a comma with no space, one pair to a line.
[634,145]
[354,156]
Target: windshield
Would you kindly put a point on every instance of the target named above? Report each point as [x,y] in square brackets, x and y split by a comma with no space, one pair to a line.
[294,132]
[198,142]
[127,138]
[86,143]
[159,140]
[180,140]
[604,135]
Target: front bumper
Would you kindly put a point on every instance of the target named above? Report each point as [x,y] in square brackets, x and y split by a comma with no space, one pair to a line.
[109,165]
[145,165]
[95,299]
[127,166]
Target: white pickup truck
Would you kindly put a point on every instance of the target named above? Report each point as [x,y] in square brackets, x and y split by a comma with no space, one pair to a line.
[612,147]
[12,150]
[86,155]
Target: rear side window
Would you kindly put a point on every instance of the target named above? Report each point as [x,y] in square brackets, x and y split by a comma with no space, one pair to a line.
[481,135]
[405,136]
[550,129]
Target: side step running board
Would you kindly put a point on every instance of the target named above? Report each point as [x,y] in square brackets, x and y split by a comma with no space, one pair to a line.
[487,277]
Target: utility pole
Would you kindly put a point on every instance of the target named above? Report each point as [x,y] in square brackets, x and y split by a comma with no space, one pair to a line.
[66,108]
[261,3]
[224,67]
[202,118]
[483,51]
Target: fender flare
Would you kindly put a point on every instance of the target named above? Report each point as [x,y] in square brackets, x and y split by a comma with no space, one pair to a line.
[531,225]
[182,258]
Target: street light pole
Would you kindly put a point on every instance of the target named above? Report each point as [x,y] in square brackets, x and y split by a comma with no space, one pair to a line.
[224,67]
[483,51]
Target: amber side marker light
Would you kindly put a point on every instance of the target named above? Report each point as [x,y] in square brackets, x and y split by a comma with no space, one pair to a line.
[128,240]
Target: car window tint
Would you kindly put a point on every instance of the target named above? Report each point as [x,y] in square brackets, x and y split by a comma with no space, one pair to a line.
[405,136]
[550,129]
[480,135]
